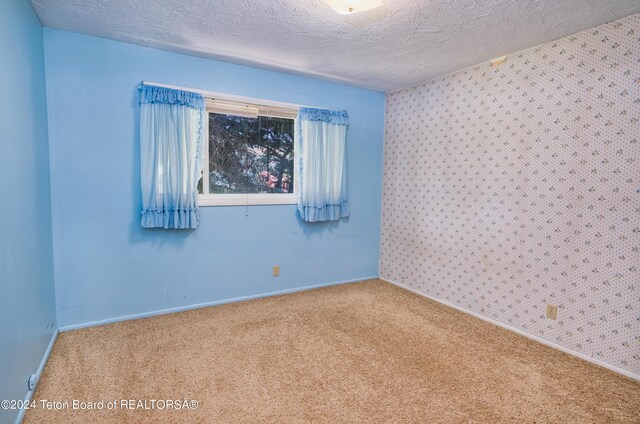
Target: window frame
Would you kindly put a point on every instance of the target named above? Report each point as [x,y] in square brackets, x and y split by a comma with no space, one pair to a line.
[245,199]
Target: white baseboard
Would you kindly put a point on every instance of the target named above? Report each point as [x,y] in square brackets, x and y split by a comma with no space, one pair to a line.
[522,333]
[206,304]
[43,363]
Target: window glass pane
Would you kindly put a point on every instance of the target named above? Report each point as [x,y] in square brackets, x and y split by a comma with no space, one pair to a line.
[250,155]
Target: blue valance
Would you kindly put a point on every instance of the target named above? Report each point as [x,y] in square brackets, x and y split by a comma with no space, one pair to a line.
[334,117]
[153,94]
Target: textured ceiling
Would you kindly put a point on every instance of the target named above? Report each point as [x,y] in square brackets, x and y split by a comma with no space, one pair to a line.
[406,42]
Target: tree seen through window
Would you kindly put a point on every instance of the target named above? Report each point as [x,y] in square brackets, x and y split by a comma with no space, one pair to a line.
[250,155]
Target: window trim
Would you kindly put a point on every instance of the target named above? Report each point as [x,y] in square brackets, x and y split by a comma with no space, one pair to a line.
[245,199]
[252,199]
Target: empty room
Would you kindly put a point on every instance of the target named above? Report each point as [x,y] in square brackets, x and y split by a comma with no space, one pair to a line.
[320,211]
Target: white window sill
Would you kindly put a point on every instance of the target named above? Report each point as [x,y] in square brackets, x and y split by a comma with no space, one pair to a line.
[246,199]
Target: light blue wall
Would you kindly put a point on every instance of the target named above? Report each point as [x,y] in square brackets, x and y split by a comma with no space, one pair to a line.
[108,267]
[27,313]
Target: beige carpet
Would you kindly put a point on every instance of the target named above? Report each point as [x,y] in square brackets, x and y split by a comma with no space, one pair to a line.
[363,352]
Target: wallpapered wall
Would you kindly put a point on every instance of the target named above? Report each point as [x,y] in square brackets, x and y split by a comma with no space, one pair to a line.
[509,187]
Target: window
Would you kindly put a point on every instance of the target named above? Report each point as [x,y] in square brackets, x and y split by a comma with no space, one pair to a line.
[249,157]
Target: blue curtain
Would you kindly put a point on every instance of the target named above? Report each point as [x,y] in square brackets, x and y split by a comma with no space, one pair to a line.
[170,146]
[322,164]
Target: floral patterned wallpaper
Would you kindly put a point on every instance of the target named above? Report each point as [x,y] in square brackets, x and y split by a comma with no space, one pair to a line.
[512,186]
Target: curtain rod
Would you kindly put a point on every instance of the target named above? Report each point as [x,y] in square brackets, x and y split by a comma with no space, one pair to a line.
[254,101]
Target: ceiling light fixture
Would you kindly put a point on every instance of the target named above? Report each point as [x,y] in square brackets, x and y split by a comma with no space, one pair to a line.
[348,7]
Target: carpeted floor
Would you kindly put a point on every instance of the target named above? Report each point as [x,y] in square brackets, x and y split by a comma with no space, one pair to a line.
[362,352]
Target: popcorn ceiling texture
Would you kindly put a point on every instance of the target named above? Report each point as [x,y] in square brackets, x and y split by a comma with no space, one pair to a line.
[506,188]
[411,41]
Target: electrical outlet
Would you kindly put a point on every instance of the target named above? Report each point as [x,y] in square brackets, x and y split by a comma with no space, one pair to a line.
[276,270]
[552,311]
[32,381]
